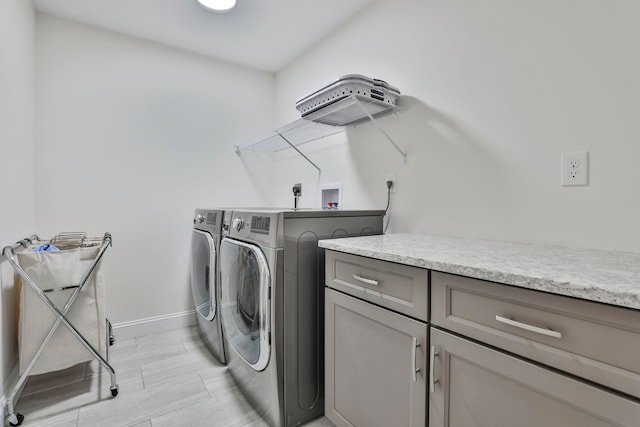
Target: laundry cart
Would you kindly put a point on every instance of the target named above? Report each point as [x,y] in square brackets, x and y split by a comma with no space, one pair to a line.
[62,318]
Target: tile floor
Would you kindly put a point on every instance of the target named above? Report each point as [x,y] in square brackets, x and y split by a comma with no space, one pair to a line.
[168,379]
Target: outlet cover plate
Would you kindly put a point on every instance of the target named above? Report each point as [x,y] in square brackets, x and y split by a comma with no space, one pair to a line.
[574,168]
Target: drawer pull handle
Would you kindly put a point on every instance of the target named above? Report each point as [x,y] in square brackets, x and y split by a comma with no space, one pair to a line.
[365,280]
[432,379]
[414,367]
[536,329]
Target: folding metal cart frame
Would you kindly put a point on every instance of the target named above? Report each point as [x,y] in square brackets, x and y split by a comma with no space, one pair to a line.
[14,418]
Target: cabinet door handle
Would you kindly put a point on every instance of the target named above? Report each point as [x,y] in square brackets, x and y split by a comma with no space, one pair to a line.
[414,366]
[432,379]
[526,326]
[365,280]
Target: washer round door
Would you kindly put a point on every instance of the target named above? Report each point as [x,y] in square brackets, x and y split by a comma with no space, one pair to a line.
[203,274]
[244,287]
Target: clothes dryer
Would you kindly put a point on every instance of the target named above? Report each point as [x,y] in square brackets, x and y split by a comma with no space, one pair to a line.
[272,305]
[205,246]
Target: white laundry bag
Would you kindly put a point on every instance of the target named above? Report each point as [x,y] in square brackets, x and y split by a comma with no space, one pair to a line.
[51,271]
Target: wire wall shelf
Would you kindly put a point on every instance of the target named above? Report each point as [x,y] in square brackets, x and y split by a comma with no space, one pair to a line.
[330,120]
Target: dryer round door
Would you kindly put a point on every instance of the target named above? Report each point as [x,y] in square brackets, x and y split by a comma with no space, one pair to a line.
[244,285]
[203,274]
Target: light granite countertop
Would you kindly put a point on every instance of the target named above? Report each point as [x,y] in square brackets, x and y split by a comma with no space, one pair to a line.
[611,277]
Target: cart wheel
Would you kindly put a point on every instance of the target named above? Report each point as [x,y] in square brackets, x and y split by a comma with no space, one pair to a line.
[15,419]
[114,391]
[111,340]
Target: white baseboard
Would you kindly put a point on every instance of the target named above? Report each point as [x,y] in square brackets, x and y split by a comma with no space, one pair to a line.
[153,325]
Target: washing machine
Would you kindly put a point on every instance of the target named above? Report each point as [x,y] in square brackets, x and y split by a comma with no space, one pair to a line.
[205,289]
[272,305]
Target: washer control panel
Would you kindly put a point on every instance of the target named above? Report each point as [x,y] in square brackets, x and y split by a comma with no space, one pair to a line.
[208,220]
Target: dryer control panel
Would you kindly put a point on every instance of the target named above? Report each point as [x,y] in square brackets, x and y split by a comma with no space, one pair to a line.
[260,224]
[260,227]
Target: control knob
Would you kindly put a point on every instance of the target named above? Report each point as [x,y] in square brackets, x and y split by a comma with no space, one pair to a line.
[237,223]
[199,219]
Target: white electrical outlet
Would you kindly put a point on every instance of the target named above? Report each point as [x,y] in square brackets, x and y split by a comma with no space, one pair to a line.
[574,168]
[393,178]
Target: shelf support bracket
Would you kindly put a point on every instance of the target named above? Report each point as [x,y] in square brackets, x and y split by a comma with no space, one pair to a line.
[384,132]
[299,152]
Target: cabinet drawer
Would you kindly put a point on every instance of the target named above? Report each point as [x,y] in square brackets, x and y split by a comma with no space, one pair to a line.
[595,341]
[474,385]
[398,287]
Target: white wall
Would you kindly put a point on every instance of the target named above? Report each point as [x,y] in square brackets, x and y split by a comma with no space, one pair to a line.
[16,158]
[131,137]
[494,91]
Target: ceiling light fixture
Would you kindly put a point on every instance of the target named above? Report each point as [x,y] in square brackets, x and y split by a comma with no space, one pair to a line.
[218,5]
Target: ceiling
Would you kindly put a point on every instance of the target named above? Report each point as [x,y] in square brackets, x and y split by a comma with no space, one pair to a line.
[262,34]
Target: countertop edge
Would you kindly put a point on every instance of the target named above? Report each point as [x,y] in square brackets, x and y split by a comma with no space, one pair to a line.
[604,294]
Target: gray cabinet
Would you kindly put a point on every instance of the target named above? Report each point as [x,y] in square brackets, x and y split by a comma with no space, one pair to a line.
[598,342]
[375,365]
[497,355]
[476,386]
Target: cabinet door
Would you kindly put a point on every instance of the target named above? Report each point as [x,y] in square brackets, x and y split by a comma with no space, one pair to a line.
[474,385]
[375,365]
